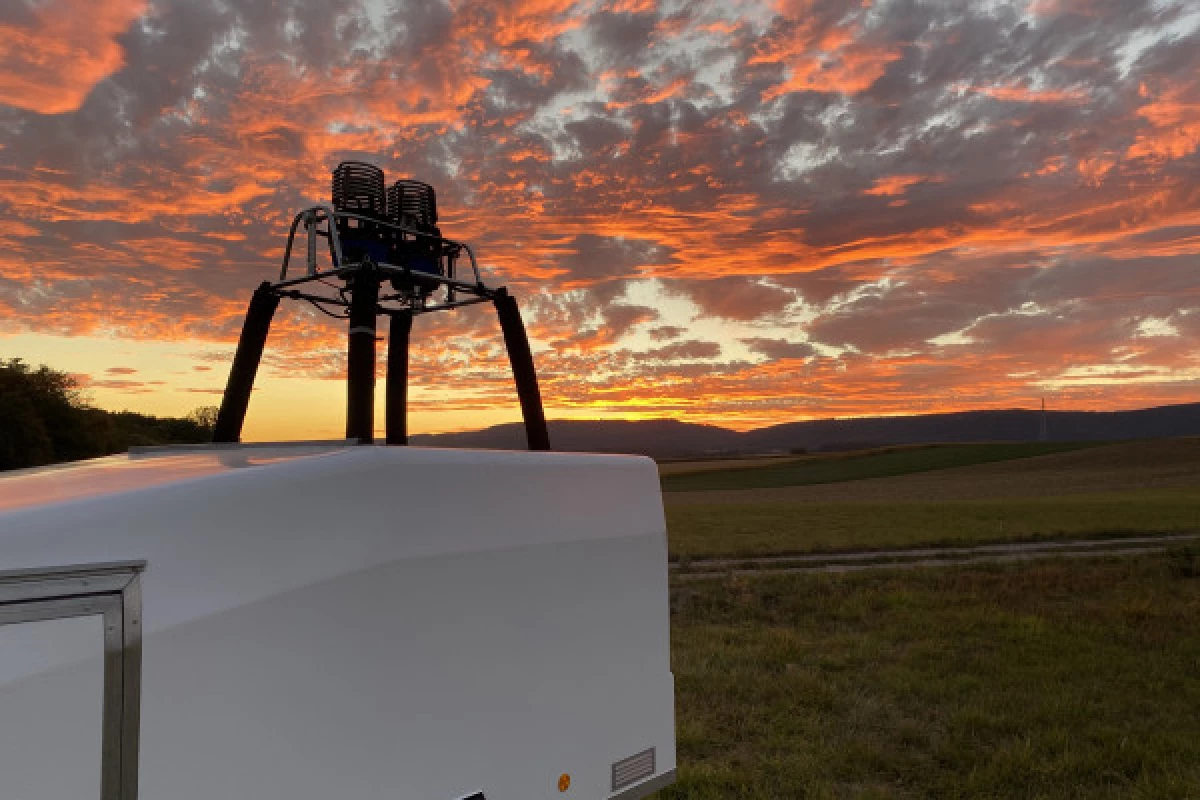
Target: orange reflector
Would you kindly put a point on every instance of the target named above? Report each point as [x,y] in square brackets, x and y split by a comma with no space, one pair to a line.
[564,782]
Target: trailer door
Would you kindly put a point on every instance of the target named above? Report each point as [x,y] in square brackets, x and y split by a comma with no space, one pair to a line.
[70,656]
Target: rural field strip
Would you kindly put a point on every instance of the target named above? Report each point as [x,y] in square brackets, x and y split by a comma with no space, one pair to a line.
[927,556]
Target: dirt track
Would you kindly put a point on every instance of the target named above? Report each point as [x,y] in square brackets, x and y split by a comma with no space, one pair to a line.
[927,556]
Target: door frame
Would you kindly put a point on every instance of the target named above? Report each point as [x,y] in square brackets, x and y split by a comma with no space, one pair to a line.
[113,592]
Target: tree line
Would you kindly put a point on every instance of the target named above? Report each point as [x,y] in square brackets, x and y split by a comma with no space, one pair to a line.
[45,418]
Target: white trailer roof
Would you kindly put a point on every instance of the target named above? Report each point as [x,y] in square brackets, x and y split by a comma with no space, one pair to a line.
[453,620]
[142,468]
[281,517]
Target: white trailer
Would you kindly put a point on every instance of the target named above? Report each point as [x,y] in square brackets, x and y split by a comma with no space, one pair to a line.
[325,622]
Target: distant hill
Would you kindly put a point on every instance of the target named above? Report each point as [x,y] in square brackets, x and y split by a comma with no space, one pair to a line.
[649,437]
[982,426]
[670,439]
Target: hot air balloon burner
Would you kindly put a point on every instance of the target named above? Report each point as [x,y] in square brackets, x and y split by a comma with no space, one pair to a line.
[385,256]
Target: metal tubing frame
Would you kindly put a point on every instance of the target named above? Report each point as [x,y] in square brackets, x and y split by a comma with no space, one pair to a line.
[330,217]
[310,215]
[112,591]
[478,292]
[474,301]
[363,313]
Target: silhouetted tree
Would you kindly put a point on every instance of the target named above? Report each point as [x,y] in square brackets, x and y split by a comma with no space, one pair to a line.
[45,418]
[205,417]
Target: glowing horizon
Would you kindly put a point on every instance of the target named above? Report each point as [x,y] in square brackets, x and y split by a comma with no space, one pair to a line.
[738,214]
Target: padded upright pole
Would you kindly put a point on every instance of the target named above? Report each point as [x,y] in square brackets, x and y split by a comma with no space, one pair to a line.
[360,357]
[521,358]
[236,400]
[396,413]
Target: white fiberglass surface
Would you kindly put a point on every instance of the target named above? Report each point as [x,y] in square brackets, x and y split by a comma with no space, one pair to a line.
[51,709]
[431,678]
[385,622]
[227,539]
[114,474]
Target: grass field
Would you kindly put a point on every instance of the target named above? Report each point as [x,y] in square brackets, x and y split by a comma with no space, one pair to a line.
[1056,679]
[743,530]
[1052,678]
[1122,467]
[1127,488]
[835,467]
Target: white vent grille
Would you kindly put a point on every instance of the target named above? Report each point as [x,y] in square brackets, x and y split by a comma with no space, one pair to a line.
[629,771]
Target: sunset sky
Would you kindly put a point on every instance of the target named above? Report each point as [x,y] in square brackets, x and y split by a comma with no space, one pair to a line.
[738,213]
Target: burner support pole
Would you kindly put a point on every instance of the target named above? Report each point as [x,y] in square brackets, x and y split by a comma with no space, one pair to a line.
[396,414]
[236,399]
[360,356]
[521,358]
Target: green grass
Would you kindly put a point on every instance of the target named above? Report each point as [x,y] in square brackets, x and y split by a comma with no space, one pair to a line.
[1059,679]
[832,468]
[742,530]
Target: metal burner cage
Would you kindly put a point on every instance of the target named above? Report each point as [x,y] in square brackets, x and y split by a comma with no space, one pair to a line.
[414,289]
[353,289]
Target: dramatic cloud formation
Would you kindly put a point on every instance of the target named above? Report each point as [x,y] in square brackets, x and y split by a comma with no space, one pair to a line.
[727,212]
[53,54]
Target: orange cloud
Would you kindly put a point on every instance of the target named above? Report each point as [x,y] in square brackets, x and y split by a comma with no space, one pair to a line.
[832,59]
[51,60]
[849,69]
[1094,169]
[1174,119]
[893,185]
[1017,93]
